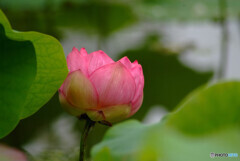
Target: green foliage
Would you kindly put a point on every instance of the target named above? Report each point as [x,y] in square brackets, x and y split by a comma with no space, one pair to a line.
[212,109]
[206,121]
[33,67]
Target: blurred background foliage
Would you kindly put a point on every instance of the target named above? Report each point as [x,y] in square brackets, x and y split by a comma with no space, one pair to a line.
[168,79]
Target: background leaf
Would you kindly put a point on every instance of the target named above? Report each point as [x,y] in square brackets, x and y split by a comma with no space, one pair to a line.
[208,120]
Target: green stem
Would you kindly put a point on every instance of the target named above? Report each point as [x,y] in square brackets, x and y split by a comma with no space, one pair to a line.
[224,39]
[88,126]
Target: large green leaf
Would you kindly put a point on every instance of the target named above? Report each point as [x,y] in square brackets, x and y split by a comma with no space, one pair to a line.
[51,72]
[32,68]
[206,121]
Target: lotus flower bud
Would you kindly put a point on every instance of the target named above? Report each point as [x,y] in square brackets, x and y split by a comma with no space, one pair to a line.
[101,88]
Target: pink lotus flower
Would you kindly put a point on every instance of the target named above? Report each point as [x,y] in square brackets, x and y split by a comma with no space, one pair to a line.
[101,88]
